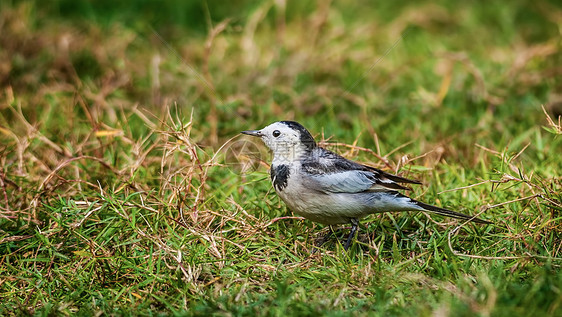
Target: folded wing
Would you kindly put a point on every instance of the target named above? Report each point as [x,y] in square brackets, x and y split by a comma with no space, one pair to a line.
[353,181]
[330,172]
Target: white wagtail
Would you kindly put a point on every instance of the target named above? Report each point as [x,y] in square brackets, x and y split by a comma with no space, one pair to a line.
[325,187]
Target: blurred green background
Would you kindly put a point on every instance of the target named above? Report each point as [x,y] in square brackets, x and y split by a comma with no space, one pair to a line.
[121,186]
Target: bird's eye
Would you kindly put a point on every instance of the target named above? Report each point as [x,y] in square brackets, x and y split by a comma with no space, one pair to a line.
[276,133]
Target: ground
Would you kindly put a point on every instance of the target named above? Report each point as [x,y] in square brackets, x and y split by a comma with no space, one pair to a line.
[126,188]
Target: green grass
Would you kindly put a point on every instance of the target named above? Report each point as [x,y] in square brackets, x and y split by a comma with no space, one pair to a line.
[124,188]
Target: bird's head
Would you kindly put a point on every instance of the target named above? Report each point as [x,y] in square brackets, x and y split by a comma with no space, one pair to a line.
[287,140]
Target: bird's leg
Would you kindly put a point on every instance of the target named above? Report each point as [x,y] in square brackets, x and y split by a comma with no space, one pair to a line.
[323,240]
[327,236]
[354,226]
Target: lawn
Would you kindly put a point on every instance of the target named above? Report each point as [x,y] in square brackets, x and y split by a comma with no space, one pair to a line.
[126,188]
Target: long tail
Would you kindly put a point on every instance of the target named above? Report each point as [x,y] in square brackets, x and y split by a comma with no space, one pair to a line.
[449,213]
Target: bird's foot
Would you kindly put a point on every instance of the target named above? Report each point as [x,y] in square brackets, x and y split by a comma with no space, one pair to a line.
[354,227]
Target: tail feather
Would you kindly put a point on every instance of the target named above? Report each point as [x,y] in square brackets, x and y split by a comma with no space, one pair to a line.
[449,213]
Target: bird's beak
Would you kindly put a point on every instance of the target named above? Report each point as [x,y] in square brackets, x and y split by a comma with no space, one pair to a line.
[252,132]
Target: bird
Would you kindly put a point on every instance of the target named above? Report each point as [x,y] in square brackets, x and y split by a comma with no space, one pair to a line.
[327,188]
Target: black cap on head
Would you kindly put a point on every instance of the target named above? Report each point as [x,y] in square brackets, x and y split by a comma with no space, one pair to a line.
[305,136]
